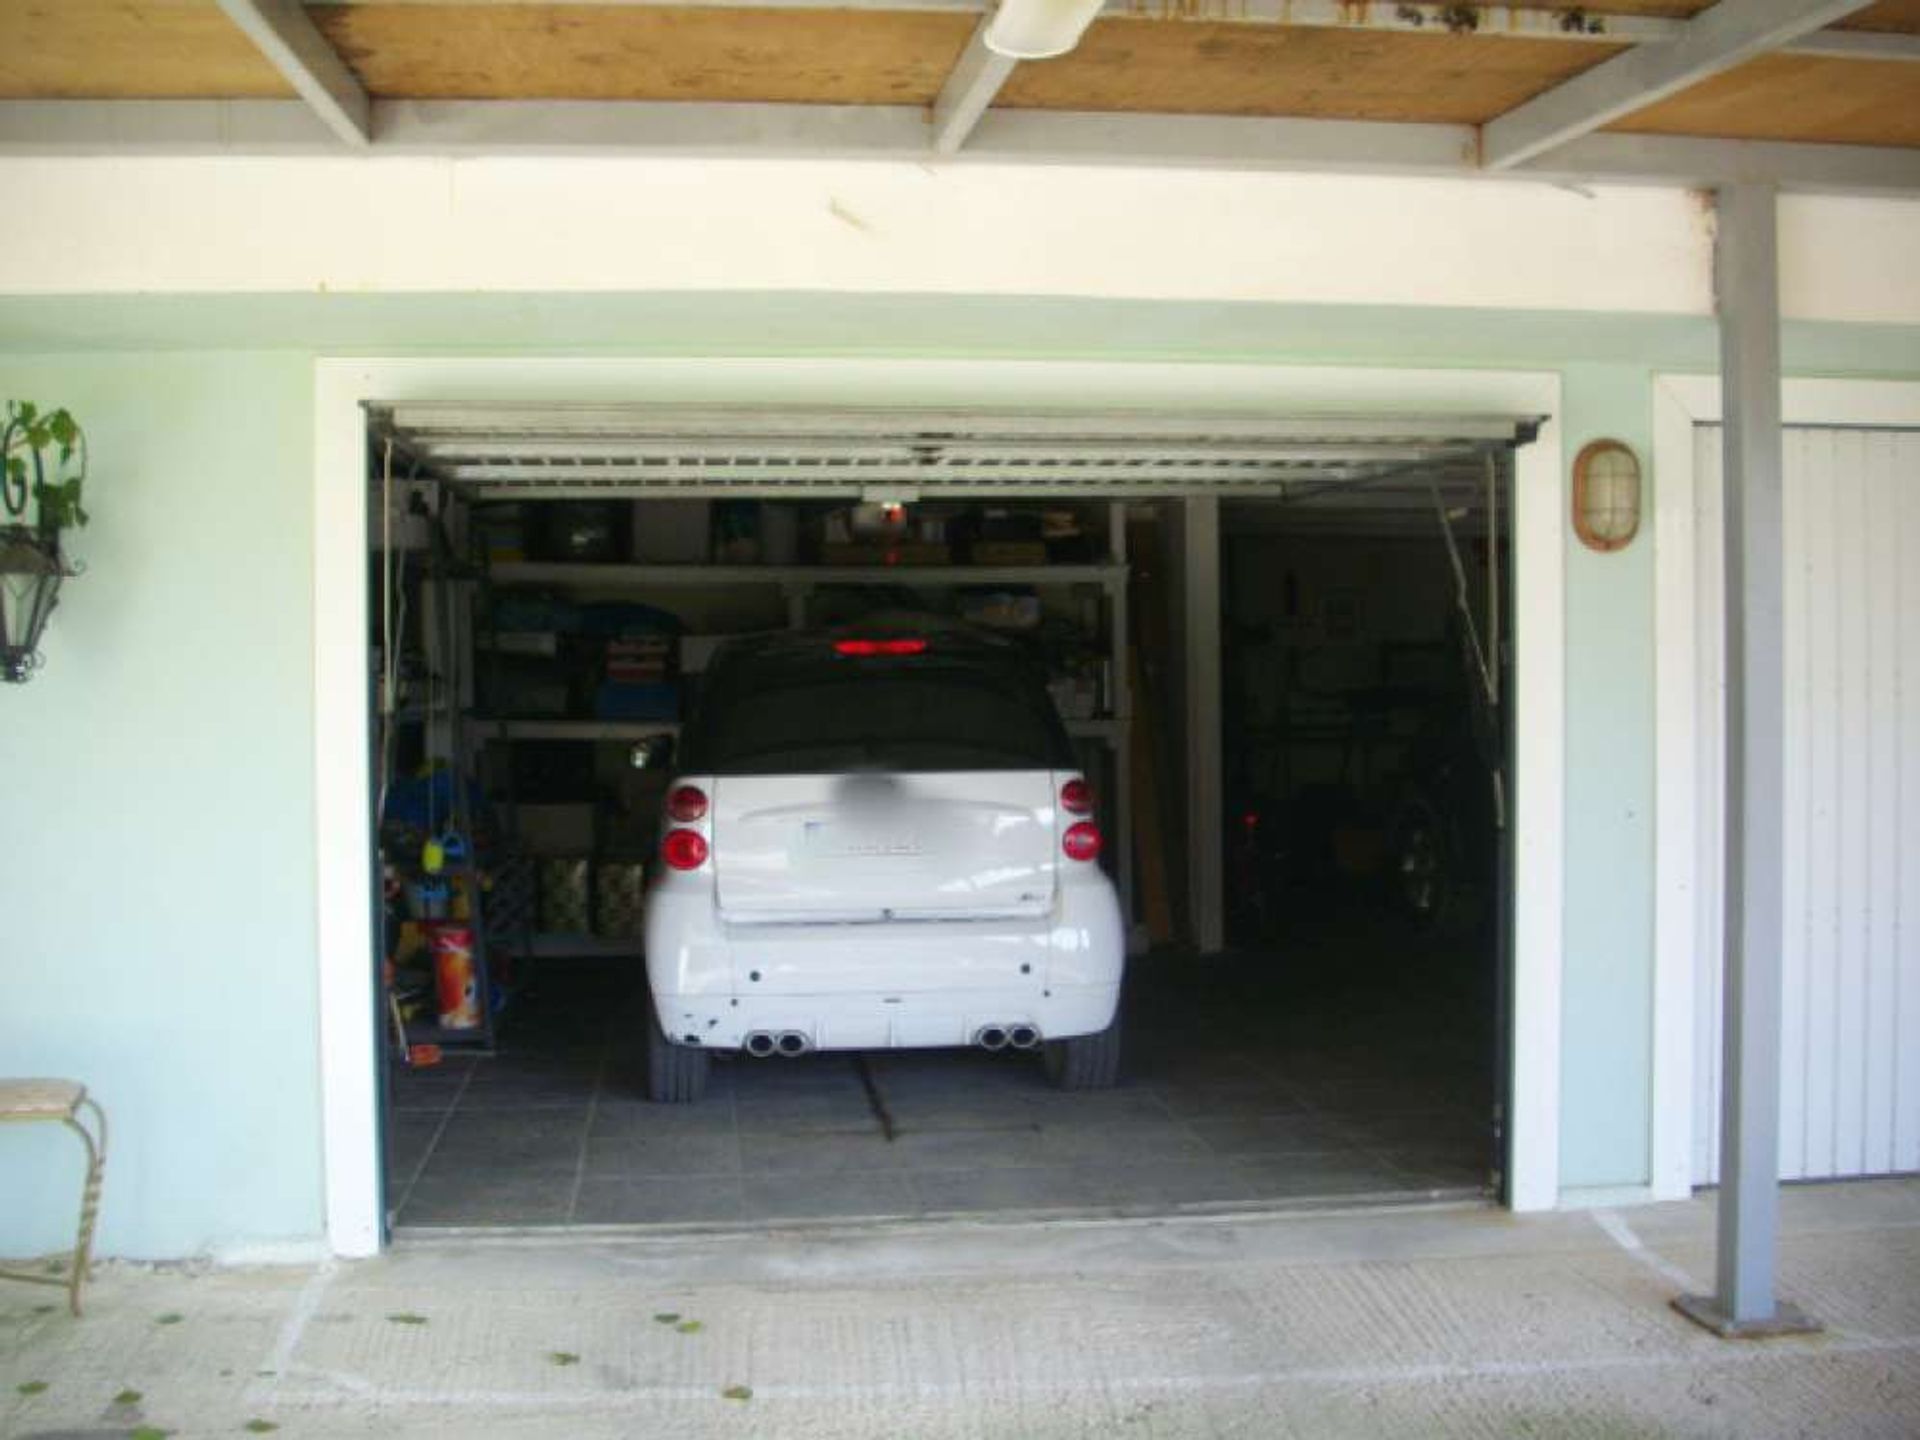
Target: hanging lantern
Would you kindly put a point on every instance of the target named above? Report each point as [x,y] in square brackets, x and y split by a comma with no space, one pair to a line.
[31,569]
[45,468]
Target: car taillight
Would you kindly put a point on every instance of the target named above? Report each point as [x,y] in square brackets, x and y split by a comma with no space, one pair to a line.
[686,804]
[1076,797]
[1082,841]
[684,849]
[880,647]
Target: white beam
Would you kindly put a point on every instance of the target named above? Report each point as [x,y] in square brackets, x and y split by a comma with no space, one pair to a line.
[1720,38]
[976,78]
[899,134]
[284,34]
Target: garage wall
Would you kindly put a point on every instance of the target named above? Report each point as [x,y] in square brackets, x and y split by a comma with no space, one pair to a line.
[157,938]
[179,684]
[1607,980]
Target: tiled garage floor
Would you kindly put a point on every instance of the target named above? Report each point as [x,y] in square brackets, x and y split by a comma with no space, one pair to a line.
[1358,1067]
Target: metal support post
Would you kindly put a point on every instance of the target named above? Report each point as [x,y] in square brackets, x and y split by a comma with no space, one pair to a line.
[1747,287]
[1205,815]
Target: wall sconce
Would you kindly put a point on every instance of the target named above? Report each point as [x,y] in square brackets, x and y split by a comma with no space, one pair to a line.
[1606,495]
[45,464]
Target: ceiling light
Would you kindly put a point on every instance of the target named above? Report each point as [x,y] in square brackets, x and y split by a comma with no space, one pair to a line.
[1039,29]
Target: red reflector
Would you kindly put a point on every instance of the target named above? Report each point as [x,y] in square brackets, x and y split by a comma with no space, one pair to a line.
[686,804]
[1076,797]
[879,647]
[684,849]
[1082,841]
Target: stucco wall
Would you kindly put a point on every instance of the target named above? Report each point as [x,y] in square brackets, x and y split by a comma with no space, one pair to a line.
[157,815]
[156,819]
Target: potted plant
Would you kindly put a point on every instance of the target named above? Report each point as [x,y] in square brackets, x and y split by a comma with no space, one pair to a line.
[45,471]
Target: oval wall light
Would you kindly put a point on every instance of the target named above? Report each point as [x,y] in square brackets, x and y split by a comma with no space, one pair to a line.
[1606,495]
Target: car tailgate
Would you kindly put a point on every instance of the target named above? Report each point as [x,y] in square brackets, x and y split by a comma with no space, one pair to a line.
[869,847]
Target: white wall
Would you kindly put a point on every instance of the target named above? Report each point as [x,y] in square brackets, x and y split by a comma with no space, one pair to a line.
[557,224]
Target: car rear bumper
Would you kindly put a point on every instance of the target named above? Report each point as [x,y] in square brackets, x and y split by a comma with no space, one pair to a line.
[885,985]
[924,1020]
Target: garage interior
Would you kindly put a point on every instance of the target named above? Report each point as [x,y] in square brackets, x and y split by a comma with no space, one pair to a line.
[1315,1001]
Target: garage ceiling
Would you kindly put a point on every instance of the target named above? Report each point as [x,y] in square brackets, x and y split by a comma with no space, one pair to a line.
[1831,90]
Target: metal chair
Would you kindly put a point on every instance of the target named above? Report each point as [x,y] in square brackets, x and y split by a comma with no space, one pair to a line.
[60,1102]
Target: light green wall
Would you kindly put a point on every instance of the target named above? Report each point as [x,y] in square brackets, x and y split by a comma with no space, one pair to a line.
[1606,1031]
[156,817]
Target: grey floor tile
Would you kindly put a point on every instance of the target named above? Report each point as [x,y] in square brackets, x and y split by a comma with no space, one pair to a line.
[618,1117]
[659,1200]
[1016,1147]
[1274,1134]
[1033,1187]
[822,1154]
[1202,1183]
[795,1197]
[480,1199]
[1324,1176]
[1214,1102]
[664,1156]
[1122,1144]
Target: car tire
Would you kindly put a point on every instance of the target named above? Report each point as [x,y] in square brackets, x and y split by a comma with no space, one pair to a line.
[1086,1062]
[676,1074]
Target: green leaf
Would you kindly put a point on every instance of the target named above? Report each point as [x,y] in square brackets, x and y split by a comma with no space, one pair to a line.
[564,1357]
[26,411]
[407,1317]
[31,1387]
[737,1392]
[689,1327]
[17,467]
[667,1317]
[172,1317]
[60,425]
[149,1432]
[259,1427]
[128,1397]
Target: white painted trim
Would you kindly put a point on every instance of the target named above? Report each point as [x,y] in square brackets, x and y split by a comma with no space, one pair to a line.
[1539,810]
[342,757]
[1682,402]
[904,134]
[342,769]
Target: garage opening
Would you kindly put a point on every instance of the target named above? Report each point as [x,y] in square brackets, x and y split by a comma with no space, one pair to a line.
[552,585]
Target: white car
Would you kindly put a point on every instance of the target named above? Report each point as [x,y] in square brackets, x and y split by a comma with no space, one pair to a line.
[877,839]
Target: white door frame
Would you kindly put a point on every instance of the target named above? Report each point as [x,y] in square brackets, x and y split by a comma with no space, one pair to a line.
[349,1034]
[1680,403]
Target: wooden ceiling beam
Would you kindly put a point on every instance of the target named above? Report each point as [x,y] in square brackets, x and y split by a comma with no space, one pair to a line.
[284,34]
[1716,40]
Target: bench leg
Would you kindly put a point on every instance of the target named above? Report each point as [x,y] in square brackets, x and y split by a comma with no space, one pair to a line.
[89,1200]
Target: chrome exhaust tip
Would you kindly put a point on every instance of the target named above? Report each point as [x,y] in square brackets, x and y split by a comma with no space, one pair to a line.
[792,1043]
[991,1037]
[1023,1037]
[760,1044]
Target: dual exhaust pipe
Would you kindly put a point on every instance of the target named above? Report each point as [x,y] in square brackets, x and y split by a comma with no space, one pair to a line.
[1002,1037]
[762,1043]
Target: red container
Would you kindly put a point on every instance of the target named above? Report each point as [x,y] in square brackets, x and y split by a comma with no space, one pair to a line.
[454,981]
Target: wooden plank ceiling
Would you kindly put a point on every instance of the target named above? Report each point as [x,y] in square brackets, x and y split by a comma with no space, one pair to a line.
[1156,61]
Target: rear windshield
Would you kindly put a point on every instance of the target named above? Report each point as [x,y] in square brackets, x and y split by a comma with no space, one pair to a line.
[874,715]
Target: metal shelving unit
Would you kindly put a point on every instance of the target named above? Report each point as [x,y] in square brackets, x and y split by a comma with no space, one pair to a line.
[797,583]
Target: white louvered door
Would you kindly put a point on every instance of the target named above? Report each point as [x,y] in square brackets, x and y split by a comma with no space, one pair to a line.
[1850,1042]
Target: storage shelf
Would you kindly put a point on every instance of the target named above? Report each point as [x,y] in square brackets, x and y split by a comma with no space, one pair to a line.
[559,945]
[496,729]
[692,576]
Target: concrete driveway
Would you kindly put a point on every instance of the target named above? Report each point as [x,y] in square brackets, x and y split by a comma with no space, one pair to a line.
[1418,1322]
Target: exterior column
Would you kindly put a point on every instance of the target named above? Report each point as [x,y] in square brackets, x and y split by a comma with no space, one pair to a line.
[1747,289]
